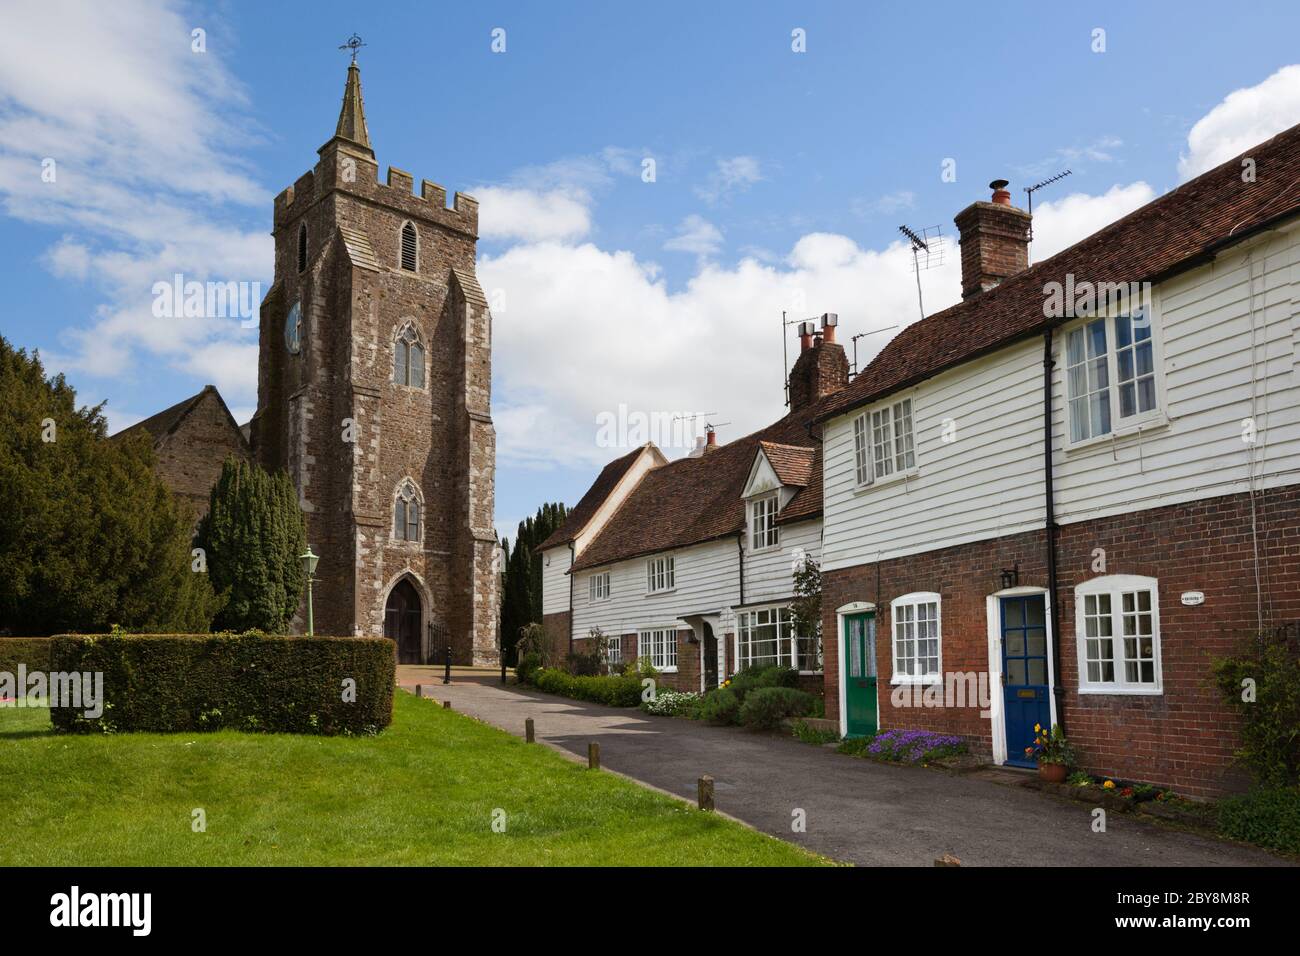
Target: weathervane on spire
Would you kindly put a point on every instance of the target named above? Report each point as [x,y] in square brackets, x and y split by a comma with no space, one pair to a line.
[354,44]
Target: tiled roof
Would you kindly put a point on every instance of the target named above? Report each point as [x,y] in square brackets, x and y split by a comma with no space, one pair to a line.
[692,500]
[1174,232]
[808,502]
[582,512]
[792,463]
[166,421]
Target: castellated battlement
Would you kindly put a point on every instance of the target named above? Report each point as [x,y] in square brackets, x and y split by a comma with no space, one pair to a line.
[359,175]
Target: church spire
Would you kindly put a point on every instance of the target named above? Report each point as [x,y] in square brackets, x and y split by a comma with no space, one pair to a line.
[352,118]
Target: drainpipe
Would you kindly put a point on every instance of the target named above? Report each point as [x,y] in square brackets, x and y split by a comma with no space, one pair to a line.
[1050,526]
[573,556]
[740,553]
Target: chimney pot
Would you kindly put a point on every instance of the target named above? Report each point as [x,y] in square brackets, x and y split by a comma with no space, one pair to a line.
[805,336]
[829,321]
[994,239]
[712,437]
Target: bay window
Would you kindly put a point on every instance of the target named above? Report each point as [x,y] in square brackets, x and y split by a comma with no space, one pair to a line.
[767,636]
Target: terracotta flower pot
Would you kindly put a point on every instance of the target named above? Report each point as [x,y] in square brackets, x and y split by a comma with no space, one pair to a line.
[1052,772]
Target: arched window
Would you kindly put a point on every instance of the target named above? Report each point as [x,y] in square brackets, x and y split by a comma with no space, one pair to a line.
[408,358]
[406,516]
[410,246]
[302,247]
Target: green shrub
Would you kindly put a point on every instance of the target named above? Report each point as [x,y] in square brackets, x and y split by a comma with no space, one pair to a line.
[242,682]
[855,746]
[529,664]
[32,651]
[614,690]
[720,706]
[1270,732]
[813,735]
[1267,816]
[765,708]
[752,678]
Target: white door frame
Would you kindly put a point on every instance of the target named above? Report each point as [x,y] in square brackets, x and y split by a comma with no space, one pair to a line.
[997,703]
[856,607]
[714,621]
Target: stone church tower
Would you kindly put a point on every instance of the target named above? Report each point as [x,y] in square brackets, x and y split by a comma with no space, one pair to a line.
[374,377]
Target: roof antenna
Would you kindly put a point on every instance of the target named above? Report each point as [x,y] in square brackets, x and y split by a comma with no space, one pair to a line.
[1029,191]
[861,335]
[929,242]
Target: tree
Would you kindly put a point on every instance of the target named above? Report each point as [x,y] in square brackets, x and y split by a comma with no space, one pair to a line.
[89,537]
[521,584]
[252,537]
[806,608]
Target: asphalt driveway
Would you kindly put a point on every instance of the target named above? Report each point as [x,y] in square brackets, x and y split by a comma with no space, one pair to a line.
[855,810]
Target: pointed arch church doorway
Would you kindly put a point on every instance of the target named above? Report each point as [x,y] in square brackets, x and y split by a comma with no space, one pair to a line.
[402,617]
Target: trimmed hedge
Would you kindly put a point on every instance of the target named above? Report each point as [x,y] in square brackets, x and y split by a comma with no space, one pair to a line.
[615,690]
[32,651]
[251,682]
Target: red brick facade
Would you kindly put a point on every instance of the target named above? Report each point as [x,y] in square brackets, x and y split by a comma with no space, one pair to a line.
[1183,737]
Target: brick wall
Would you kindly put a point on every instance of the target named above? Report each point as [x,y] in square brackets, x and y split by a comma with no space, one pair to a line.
[1182,738]
[189,459]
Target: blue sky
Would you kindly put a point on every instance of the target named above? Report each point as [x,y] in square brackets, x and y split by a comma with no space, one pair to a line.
[780,177]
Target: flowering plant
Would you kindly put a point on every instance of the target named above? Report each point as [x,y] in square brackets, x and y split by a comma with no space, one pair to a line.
[1050,746]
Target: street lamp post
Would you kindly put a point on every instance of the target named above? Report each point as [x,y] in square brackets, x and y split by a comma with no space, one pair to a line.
[309,565]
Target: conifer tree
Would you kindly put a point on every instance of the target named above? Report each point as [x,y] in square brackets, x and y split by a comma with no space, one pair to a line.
[253,536]
[89,537]
[521,586]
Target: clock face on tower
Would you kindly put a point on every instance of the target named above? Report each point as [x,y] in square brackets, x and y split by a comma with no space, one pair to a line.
[293,329]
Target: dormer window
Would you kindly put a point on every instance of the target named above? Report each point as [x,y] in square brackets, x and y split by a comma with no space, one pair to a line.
[302,247]
[763,531]
[410,247]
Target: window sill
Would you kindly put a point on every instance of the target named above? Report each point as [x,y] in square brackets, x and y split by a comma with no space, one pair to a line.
[768,549]
[657,593]
[1130,430]
[666,670]
[1122,691]
[887,480]
[919,681]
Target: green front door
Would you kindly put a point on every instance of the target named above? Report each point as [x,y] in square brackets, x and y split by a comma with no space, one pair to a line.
[860,674]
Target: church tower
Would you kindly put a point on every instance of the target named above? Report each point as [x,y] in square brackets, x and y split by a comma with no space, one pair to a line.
[374,376]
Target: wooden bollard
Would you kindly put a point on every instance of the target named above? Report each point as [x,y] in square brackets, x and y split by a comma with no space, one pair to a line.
[446,705]
[530,735]
[704,792]
[947,860]
[593,756]
[419,690]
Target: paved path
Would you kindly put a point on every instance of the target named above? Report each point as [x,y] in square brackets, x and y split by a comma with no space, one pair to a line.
[857,810]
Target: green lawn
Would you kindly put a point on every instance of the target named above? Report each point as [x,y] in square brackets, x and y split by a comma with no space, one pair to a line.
[423,792]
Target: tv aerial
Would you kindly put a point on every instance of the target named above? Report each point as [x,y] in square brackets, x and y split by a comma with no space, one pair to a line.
[1029,193]
[927,252]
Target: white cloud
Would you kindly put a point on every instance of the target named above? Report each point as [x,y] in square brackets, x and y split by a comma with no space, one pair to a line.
[1060,223]
[621,337]
[730,175]
[1245,118]
[886,205]
[139,128]
[696,234]
[507,212]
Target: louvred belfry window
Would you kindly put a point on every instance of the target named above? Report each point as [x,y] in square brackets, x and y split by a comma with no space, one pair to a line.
[410,247]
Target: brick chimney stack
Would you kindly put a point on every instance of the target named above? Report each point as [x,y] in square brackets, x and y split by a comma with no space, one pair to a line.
[822,367]
[994,241]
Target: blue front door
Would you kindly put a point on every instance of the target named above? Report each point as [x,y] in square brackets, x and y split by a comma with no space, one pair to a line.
[1025,691]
